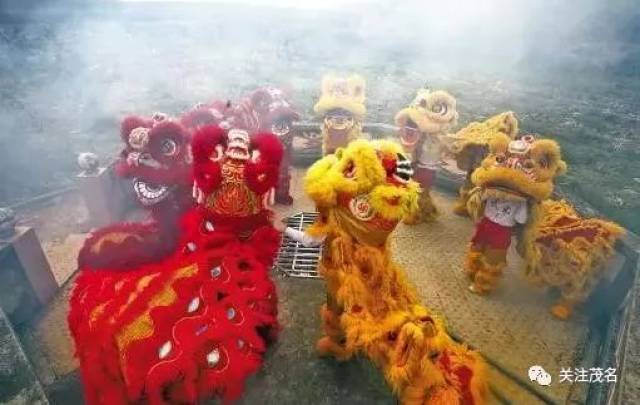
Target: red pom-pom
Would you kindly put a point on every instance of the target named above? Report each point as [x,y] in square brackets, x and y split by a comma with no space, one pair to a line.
[269,146]
[205,140]
[130,123]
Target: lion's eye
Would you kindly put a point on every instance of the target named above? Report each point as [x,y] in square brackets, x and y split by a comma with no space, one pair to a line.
[501,158]
[392,336]
[169,147]
[439,109]
[528,164]
[423,103]
[544,163]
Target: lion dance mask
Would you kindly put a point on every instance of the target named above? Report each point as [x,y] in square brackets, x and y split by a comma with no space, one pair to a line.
[470,146]
[341,107]
[362,192]
[421,125]
[269,109]
[193,324]
[560,248]
[157,161]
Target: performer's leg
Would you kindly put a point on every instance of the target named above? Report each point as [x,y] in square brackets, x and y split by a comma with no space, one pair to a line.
[283,192]
[460,207]
[428,211]
[472,262]
[332,344]
[573,293]
[284,183]
[491,264]
[563,308]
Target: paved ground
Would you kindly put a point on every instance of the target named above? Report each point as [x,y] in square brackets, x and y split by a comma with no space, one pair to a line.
[512,327]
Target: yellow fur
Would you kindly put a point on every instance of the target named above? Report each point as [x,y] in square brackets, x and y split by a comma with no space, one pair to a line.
[574,265]
[346,93]
[422,112]
[470,145]
[379,312]
[561,249]
[434,113]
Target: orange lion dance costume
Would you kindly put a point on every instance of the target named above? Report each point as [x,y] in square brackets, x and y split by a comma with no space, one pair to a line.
[421,127]
[193,324]
[362,192]
[560,248]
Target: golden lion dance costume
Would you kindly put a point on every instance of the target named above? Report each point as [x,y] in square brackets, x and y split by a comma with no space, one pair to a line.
[470,146]
[560,248]
[362,192]
[421,125]
[341,106]
[193,324]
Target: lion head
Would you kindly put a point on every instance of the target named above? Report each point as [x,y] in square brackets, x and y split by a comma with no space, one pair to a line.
[526,166]
[275,112]
[470,145]
[430,113]
[369,178]
[156,155]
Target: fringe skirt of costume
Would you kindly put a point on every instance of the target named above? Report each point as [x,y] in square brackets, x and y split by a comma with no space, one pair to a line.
[184,328]
[373,310]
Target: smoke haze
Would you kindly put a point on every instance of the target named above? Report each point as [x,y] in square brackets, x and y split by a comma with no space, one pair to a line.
[69,72]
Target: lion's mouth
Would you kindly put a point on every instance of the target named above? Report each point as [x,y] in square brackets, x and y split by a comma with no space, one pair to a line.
[409,134]
[402,171]
[349,172]
[149,193]
[393,200]
[281,127]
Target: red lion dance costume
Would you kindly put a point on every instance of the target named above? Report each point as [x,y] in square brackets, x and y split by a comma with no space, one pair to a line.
[195,323]
[268,109]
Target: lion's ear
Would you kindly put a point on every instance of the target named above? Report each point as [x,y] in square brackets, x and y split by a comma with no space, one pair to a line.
[499,143]
[338,153]
[562,168]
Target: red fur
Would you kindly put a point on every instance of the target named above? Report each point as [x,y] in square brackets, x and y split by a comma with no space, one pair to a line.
[261,176]
[269,146]
[135,373]
[183,376]
[144,244]
[177,169]
[205,140]
[207,175]
[277,108]
[131,122]
[199,117]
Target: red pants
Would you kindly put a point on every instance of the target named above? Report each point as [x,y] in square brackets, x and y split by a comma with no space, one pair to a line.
[491,235]
[425,177]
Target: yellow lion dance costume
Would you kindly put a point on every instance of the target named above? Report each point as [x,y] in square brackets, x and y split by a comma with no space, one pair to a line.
[560,248]
[470,146]
[341,106]
[421,127]
[362,192]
